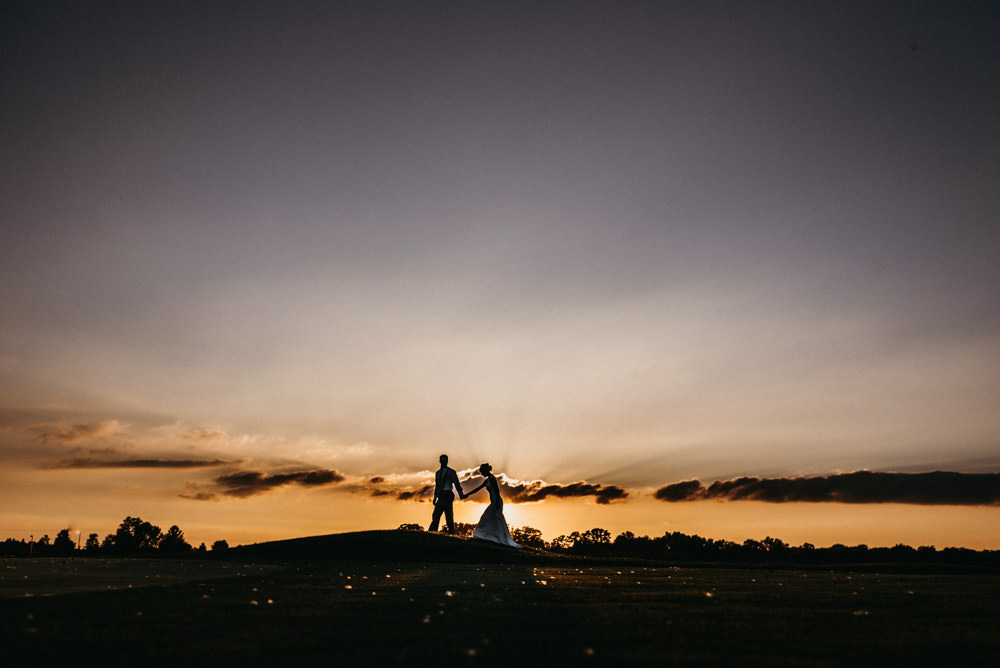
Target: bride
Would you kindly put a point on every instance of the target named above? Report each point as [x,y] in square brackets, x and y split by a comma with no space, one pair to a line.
[492,525]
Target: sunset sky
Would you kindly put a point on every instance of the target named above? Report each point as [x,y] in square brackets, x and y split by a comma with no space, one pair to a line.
[261,263]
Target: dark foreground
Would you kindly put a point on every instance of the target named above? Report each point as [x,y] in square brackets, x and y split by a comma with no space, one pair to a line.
[349,612]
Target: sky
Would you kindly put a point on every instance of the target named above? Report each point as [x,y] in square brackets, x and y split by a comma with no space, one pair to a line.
[262,262]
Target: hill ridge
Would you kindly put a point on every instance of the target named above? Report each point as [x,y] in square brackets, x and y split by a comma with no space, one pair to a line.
[397,545]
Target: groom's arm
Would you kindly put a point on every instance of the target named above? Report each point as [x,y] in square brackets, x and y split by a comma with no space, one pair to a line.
[461,492]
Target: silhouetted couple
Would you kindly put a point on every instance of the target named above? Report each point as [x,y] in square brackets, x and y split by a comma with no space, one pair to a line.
[492,525]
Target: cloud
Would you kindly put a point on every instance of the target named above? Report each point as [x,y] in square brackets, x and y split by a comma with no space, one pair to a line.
[248,483]
[936,488]
[200,496]
[424,492]
[539,491]
[91,463]
[378,480]
[202,435]
[404,487]
[680,491]
[524,492]
[81,431]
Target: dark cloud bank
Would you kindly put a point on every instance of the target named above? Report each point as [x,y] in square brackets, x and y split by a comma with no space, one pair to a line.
[937,488]
[249,483]
[536,491]
[524,493]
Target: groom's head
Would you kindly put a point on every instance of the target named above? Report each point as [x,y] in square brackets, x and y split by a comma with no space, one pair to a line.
[444,460]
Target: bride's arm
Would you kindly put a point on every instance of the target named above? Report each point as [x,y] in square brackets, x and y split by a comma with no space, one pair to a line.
[481,485]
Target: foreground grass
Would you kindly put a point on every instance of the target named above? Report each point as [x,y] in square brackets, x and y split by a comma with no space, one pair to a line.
[350,612]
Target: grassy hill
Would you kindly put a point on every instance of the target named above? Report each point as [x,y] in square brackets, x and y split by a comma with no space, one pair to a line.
[385,598]
[392,546]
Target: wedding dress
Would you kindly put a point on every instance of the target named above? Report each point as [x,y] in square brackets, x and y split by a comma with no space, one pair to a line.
[492,525]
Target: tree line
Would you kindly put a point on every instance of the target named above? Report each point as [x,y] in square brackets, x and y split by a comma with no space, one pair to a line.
[134,537]
[683,548]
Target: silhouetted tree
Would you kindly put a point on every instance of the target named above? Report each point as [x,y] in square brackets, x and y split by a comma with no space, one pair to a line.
[528,537]
[410,527]
[900,551]
[134,536]
[592,541]
[562,543]
[628,544]
[202,549]
[220,545]
[14,548]
[464,529]
[597,536]
[92,546]
[41,547]
[173,541]
[63,545]
[774,545]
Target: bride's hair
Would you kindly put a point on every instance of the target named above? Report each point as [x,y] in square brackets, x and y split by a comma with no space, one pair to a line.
[484,469]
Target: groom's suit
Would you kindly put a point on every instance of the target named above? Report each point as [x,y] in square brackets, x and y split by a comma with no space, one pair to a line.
[444,497]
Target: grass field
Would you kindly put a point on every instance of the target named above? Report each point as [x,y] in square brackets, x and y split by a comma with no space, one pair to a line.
[420,600]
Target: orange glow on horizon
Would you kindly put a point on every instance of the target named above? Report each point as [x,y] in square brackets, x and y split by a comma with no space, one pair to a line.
[283,516]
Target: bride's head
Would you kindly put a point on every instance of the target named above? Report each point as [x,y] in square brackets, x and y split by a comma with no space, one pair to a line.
[484,469]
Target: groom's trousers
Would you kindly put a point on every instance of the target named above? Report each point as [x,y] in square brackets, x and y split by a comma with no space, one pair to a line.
[444,505]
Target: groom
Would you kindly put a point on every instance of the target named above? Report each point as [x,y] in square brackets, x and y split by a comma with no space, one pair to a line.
[444,497]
